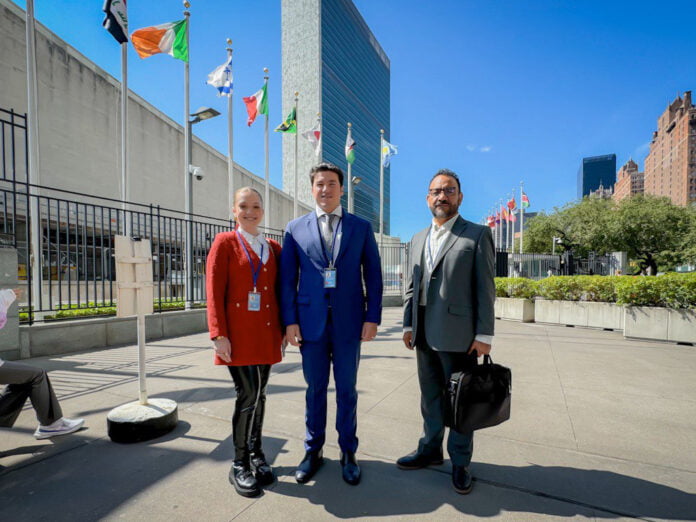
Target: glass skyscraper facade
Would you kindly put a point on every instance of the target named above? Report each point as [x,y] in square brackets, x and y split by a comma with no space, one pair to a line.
[596,171]
[332,58]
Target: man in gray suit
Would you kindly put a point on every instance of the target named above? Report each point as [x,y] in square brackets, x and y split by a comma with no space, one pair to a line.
[448,318]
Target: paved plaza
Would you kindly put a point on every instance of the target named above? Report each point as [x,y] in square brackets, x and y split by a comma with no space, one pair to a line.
[601,427]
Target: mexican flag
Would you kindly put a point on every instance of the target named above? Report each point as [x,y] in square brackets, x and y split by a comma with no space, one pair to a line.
[289,126]
[525,200]
[166,38]
[350,149]
[256,104]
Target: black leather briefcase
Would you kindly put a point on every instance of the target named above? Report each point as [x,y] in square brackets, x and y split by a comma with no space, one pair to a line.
[480,397]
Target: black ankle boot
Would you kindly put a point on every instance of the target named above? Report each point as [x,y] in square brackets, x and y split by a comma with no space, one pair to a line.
[261,468]
[243,479]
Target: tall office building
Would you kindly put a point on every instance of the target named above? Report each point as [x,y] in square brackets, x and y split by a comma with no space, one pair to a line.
[596,171]
[670,168]
[333,60]
[629,181]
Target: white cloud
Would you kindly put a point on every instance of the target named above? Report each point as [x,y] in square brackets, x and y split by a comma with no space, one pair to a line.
[486,148]
[471,148]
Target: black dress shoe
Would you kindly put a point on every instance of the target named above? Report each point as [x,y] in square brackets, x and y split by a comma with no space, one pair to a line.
[351,470]
[418,460]
[461,480]
[262,470]
[243,480]
[309,466]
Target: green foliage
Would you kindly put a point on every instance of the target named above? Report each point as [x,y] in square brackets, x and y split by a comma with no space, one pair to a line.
[670,291]
[562,288]
[107,308]
[518,287]
[653,231]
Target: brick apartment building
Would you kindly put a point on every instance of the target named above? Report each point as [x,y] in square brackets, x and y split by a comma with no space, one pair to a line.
[629,181]
[670,167]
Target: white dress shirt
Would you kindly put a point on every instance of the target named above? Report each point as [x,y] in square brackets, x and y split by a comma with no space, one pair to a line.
[257,242]
[338,211]
[433,243]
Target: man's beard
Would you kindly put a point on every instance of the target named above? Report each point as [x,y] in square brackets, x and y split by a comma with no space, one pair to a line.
[446,211]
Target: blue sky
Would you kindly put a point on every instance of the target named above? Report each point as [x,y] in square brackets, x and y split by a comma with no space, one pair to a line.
[500,92]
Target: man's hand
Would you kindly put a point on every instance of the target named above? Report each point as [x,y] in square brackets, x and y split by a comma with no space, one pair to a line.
[223,349]
[481,348]
[369,331]
[293,335]
[408,340]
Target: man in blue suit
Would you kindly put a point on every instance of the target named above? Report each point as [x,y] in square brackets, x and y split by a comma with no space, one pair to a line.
[327,256]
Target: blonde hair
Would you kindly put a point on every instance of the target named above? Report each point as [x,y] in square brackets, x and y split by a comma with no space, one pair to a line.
[247,189]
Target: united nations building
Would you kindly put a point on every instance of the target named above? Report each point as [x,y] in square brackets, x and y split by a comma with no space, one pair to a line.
[335,63]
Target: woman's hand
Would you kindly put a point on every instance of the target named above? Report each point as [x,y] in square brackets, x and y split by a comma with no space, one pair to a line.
[223,348]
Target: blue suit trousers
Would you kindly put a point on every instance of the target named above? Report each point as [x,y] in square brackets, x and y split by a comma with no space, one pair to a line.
[317,359]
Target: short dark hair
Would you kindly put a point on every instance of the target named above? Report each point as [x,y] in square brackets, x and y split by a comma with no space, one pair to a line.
[448,173]
[323,167]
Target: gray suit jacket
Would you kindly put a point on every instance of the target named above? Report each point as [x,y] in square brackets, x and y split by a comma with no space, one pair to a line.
[461,292]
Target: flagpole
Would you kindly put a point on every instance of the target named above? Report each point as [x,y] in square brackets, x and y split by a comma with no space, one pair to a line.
[381,192]
[350,175]
[321,139]
[267,190]
[230,141]
[294,198]
[124,137]
[521,216]
[507,231]
[502,237]
[33,170]
[188,200]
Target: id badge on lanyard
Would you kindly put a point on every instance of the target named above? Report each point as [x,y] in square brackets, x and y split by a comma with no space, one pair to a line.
[254,301]
[330,271]
[254,297]
[330,277]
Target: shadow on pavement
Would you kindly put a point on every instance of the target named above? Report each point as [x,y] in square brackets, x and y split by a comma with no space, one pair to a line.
[387,491]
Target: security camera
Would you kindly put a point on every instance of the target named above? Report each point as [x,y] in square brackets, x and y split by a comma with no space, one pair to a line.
[197,172]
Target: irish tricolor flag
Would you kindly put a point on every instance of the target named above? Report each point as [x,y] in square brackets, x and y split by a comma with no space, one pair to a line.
[166,38]
[256,104]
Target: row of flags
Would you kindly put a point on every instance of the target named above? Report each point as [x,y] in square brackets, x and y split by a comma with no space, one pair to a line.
[507,212]
[170,38]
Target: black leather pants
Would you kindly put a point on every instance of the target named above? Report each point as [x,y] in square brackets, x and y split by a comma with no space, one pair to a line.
[247,422]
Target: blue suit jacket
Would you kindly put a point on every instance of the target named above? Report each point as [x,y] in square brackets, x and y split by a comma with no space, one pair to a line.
[303,298]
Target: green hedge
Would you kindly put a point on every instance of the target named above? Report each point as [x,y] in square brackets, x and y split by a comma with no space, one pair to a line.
[671,290]
[93,309]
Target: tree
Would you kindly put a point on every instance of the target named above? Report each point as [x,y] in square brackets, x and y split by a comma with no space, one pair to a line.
[652,230]
[581,227]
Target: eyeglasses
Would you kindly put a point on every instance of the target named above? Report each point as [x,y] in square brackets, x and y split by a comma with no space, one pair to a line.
[448,191]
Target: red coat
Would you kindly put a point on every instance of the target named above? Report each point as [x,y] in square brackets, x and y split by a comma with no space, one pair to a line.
[255,336]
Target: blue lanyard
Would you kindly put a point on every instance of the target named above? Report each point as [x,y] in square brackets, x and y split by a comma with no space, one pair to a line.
[329,258]
[255,271]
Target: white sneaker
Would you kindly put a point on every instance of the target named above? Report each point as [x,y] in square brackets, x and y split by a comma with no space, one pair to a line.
[62,426]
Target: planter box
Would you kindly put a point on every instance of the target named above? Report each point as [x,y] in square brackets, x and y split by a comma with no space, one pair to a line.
[605,315]
[682,326]
[514,309]
[547,311]
[660,324]
[579,313]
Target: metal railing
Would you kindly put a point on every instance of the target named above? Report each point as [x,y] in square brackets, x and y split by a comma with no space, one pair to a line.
[76,261]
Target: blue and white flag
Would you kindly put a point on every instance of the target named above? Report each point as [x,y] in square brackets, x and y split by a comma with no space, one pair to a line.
[388,150]
[221,78]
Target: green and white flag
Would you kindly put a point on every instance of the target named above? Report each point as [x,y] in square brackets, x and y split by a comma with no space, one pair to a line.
[350,149]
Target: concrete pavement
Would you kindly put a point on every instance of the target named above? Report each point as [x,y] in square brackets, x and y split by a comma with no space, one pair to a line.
[601,427]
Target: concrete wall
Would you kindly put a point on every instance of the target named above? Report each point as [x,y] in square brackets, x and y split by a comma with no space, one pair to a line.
[79,124]
[9,334]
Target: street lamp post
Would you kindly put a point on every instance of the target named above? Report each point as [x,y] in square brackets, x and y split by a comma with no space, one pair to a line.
[354,181]
[204,113]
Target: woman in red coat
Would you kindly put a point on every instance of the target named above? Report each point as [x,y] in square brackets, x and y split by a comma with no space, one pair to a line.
[244,324]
